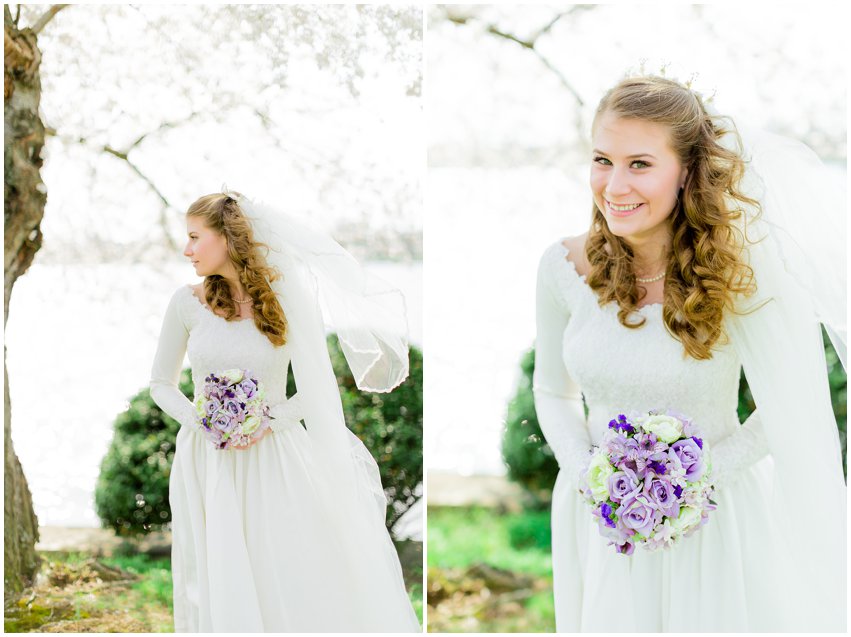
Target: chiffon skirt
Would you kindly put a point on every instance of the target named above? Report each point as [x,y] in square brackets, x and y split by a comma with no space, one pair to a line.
[733,574]
[255,547]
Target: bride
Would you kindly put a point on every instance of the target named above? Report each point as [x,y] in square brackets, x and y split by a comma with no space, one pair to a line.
[284,533]
[703,258]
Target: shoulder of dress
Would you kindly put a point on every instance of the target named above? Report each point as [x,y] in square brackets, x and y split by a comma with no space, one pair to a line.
[559,274]
[182,292]
[556,265]
[182,299]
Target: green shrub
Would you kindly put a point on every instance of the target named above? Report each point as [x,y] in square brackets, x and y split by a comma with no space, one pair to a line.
[528,457]
[531,530]
[530,460]
[131,495]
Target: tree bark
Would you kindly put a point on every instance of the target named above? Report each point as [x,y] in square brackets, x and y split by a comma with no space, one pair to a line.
[24,197]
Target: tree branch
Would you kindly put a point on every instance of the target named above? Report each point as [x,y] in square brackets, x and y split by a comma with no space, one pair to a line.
[105,148]
[46,17]
[161,127]
[528,44]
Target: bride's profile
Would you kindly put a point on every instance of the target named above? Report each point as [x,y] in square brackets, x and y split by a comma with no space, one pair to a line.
[277,508]
[711,251]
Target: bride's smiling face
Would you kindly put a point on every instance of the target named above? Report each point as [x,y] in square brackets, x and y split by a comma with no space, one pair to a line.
[635,176]
[206,248]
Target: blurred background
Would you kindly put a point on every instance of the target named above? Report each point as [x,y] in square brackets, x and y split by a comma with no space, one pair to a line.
[316,108]
[510,95]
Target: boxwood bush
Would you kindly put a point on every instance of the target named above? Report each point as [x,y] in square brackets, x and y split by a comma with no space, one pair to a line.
[131,495]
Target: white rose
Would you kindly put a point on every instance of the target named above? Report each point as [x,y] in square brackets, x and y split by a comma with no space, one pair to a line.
[667,428]
[250,425]
[597,476]
[689,517]
[231,376]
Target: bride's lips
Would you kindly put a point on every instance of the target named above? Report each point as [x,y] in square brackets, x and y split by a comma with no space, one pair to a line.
[622,213]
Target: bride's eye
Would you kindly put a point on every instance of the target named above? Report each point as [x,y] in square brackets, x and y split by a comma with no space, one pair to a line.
[602,161]
[644,164]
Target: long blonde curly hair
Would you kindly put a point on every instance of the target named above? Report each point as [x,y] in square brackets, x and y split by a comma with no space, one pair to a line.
[221,212]
[705,268]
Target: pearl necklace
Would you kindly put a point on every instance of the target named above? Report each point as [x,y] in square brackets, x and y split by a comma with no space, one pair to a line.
[248,300]
[651,279]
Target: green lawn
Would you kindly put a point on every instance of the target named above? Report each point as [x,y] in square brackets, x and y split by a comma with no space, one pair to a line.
[489,571]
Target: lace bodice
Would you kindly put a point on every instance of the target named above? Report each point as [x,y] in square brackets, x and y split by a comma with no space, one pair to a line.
[213,344]
[582,347]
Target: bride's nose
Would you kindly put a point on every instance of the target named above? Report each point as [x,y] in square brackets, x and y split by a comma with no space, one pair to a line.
[618,183]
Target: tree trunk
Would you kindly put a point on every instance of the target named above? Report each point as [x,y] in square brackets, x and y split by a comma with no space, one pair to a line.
[24,198]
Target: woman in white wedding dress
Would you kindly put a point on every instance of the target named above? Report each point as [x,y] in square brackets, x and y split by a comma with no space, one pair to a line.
[286,534]
[659,306]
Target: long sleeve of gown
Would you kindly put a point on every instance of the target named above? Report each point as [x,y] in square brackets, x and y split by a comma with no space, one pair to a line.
[558,400]
[168,362]
[738,451]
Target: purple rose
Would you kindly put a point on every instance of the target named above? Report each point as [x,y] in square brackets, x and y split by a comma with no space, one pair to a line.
[232,406]
[690,456]
[222,422]
[622,484]
[248,387]
[211,407]
[661,493]
[639,514]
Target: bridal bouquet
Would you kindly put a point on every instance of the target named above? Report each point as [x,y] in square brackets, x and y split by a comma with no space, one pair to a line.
[648,481]
[232,409]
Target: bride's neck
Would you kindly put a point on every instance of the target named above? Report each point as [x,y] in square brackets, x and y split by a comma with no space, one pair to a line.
[236,288]
[651,255]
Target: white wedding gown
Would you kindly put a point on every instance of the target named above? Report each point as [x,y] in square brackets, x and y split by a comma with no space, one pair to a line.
[731,575]
[253,545]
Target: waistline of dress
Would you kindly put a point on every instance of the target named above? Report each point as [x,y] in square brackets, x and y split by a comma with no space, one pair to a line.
[286,414]
[598,424]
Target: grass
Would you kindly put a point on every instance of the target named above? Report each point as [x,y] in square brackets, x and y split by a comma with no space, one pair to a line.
[76,593]
[461,536]
[489,571]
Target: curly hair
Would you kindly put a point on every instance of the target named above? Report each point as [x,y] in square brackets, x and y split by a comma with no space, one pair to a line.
[221,212]
[705,269]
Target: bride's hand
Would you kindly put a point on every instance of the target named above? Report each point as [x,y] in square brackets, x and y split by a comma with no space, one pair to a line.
[253,442]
